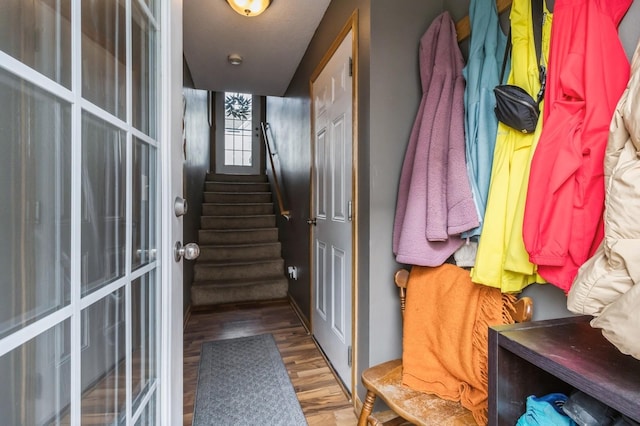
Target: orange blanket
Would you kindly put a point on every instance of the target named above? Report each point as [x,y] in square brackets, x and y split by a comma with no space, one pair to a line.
[445,335]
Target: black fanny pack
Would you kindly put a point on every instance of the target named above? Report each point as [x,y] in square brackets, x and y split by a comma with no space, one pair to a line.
[514,106]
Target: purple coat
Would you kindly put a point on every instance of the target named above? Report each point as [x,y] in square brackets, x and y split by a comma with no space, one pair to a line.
[435,204]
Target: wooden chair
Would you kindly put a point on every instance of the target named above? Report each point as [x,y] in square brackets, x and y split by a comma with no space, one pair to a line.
[385,381]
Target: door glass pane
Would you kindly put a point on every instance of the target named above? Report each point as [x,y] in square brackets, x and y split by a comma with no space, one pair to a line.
[104,54]
[238,132]
[37,33]
[36,380]
[143,331]
[103,203]
[103,370]
[35,186]
[144,64]
[144,204]
[148,416]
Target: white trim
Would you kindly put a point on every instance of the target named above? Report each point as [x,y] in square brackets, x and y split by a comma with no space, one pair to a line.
[25,334]
[170,400]
[27,73]
[116,122]
[145,9]
[128,68]
[75,396]
[103,115]
[144,137]
[129,352]
[144,401]
[142,270]
[102,292]
[128,212]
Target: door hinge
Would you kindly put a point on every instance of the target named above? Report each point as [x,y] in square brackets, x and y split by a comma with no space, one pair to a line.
[350,210]
[349,356]
[350,67]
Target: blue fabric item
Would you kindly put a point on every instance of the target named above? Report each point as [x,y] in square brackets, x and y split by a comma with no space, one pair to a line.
[482,74]
[545,411]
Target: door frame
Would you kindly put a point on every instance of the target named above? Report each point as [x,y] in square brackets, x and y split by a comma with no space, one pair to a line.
[171,155]
[351,25]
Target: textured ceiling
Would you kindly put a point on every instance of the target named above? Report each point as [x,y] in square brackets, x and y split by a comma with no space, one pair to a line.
[271,44]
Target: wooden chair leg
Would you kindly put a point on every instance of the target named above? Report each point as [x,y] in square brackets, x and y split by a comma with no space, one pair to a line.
[367,407]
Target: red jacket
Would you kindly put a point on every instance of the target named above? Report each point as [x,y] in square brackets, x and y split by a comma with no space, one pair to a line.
[588,71]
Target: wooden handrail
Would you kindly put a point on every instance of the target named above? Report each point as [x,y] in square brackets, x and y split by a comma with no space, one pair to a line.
[283,212]
[463,26]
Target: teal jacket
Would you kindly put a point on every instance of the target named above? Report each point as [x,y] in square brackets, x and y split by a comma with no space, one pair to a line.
[482,74]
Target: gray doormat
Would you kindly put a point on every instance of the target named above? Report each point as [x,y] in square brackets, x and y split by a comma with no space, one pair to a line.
[244,382]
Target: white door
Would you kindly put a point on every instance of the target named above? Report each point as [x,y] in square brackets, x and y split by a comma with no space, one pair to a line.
[237,133]
[332,209]
[86,315]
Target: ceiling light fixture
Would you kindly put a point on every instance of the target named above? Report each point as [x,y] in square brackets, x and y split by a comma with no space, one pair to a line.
[234,59]
[249,7]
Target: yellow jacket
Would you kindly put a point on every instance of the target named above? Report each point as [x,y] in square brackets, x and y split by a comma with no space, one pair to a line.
[502,260]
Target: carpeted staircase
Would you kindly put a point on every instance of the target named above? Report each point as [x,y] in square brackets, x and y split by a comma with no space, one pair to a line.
[240,255]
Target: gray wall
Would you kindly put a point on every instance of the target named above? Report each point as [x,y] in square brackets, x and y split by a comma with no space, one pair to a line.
[289,118]
[388,45]
[389,95]
[196,166]
[289,138]
[629,30]
[396,28]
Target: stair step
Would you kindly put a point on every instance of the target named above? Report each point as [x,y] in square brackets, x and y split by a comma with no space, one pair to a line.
[240,252]
[239,209]
[235,197]
[240,255]
[215,271]
[237,236]
[215,177]
[205,293]
[237,187]
[238,222]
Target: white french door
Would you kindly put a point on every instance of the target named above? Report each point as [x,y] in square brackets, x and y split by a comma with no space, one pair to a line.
[80,173]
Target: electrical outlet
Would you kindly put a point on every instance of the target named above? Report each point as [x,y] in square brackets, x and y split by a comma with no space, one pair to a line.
[293,272]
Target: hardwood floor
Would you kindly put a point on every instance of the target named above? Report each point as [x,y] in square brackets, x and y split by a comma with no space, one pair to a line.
[321,397]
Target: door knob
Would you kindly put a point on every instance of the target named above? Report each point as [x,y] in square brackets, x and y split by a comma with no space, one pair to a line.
[180,206]
[312,221]
[190,251]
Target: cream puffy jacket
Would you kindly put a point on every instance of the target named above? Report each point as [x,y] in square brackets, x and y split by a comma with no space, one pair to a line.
[608,284]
